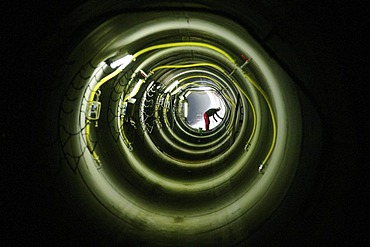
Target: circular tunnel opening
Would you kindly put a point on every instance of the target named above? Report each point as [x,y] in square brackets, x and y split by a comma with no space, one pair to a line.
[132,128]
[199,100]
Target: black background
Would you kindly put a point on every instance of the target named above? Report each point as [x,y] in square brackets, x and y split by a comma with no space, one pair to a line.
[339,216]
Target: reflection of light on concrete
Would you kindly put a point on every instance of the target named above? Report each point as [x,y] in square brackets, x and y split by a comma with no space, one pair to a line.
[171,87]
[214,101]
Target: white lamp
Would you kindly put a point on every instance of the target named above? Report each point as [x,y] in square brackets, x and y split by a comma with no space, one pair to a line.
[122,62]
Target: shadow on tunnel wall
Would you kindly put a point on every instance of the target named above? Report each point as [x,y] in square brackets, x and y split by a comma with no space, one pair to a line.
[329,41]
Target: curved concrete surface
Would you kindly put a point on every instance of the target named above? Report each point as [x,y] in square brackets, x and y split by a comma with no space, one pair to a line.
[149,179]
[210,191]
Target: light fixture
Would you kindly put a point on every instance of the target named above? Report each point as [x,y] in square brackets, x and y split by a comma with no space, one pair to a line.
[136,88]
[122,62]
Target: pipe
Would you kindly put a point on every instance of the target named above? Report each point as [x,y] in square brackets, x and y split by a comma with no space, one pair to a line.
[134,186]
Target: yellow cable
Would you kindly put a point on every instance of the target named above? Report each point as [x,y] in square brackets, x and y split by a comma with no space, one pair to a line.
[250,102]
[179,44]
[224,72]
[88,140]
[274,135]
[192,65]
[181,66]
[137,54]
[189,66]
[92,95]
[253,111]
[102,81]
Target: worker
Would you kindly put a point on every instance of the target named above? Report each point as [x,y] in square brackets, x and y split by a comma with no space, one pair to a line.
[209,113]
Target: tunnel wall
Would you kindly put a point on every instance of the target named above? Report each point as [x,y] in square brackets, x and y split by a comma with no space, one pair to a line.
[306,68]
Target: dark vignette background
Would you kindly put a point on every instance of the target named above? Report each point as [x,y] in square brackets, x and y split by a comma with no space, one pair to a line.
[339,216]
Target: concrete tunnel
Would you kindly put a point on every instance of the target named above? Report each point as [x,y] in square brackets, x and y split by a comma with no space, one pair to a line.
[131,161]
